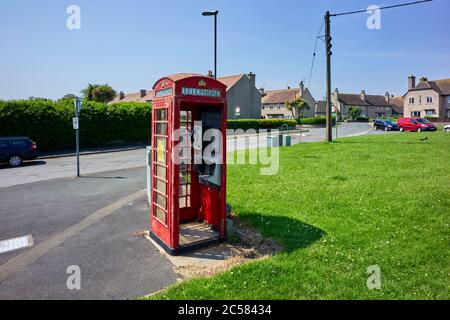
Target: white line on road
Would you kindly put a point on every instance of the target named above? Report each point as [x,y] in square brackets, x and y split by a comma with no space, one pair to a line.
[19,262]
[16,244]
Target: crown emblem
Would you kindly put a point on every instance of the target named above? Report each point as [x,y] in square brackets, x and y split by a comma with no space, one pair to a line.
[202,83]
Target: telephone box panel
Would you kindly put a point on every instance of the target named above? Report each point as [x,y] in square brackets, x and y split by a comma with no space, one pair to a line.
[188,169]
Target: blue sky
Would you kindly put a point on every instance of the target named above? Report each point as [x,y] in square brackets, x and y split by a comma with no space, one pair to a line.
[129,44]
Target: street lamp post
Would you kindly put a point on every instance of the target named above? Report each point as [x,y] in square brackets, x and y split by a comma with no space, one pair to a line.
[207,14]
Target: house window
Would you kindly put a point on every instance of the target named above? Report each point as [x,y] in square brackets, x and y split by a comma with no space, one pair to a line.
[411,100]
[430,112]
[448,99]
[415,114]
[429,99]
[262,107]
[420,99]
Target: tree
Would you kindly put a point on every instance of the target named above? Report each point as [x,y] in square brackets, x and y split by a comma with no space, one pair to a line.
[354,112]
[99,93]
[299,105]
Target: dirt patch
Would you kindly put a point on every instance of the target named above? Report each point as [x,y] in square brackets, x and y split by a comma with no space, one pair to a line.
[245,245]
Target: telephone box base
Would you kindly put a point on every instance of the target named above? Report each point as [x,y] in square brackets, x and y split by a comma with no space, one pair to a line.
[186,248]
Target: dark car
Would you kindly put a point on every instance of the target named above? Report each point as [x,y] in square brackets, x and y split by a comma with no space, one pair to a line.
[14,150]
[386,125]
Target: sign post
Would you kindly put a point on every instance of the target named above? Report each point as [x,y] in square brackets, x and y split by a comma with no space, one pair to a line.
[335,114]
[237,114]
[76,126]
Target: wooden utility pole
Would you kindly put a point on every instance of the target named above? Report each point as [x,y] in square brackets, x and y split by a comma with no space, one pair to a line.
[329,132]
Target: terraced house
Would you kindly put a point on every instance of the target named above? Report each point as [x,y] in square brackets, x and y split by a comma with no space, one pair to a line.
[273,102]
[372,106]
[427,98]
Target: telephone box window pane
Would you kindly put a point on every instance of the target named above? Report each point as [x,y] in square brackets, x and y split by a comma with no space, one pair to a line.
[188,201]
[161,186]
[184,190]
[185,177]
[161,200]
[160,214]
[161,172]
[161,128]
[182,202]
[183,116]
[161,115]
[160,153]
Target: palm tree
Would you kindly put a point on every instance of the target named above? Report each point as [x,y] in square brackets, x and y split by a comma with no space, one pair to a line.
[88,92]
[299,105]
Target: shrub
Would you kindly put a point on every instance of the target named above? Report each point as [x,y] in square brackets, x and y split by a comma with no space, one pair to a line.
[315,121]
[246,124]
[362,119]
[49,123]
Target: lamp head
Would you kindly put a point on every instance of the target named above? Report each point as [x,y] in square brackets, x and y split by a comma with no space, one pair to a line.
[210,13]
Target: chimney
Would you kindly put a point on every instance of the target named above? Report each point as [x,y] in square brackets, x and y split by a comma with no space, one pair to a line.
[121,95]
[142,93]
[261,90]
[411,82]
[336,93]
[387,97]
[423,79]
[210,74]
[363,95]
[302,88]
[252,78]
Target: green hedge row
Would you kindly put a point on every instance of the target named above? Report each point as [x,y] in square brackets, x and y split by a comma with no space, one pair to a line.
[246,124]
[49,123]
[314,121]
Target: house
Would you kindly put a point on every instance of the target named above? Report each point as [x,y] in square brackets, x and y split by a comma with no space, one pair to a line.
[321,108]
[273,102]
[372,106]
[427,98]
[397,106]
[241,92]
[141,96]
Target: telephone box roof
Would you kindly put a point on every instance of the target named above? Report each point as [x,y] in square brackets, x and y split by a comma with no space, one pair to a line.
[181,76]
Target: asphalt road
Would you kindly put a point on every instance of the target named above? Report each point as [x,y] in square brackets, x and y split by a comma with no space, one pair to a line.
[62,217]
[48,169]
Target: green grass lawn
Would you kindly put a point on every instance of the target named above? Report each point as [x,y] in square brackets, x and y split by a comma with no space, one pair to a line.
[338,209]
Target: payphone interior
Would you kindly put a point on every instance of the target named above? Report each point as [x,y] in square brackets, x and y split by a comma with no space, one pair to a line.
[208,164]
[202,215]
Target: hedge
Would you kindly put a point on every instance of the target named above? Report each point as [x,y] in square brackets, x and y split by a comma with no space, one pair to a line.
[246,124]
[313,121]
[49,123]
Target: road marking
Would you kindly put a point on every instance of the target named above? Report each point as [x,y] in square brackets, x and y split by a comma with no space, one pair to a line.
[16,244]
[19,262]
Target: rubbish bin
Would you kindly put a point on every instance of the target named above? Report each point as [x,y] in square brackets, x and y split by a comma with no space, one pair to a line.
[286,138]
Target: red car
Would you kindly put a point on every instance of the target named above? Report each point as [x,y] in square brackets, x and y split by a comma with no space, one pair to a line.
[415,124]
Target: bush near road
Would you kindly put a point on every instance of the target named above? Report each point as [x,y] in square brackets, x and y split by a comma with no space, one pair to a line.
[246,124]
[49,123]
[339,209]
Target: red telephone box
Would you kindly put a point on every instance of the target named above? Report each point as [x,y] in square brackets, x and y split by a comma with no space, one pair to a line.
[188,208]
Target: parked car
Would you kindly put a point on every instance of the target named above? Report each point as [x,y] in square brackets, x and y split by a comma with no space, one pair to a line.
[386,125]
[14,150]
[415,124]
[447,128]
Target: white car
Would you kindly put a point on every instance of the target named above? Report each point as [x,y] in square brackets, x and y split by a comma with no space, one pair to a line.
[447,128]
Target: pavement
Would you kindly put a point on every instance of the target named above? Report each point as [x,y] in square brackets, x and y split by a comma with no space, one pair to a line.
[95,223]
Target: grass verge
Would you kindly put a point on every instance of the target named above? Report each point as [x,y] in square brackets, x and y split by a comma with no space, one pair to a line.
[338,209]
